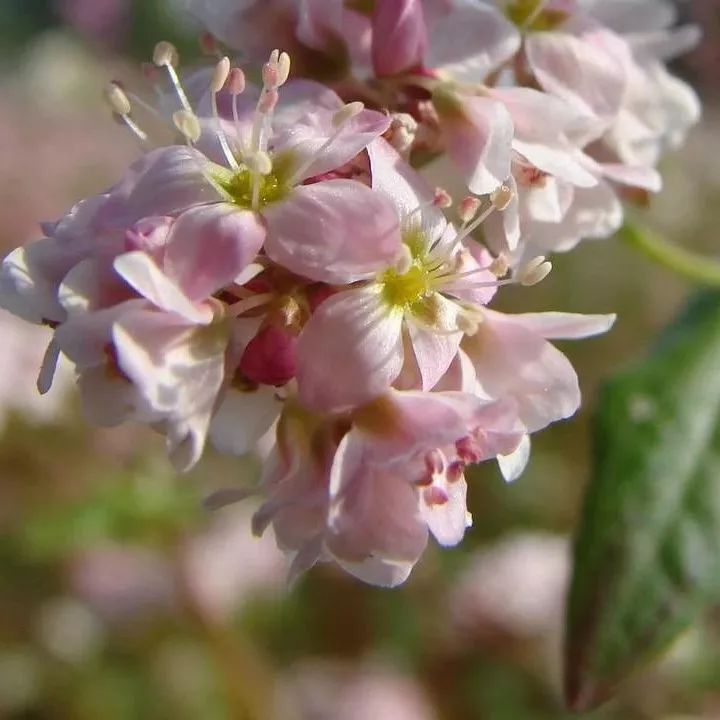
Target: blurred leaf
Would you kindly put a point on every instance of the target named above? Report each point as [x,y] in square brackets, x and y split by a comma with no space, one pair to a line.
[147,505]
[647,556]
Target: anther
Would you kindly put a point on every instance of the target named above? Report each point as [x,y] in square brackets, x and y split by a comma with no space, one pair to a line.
[468,208]
[534,271]
[259,162]
[188,124]
[499,266]
[501,197]
[236,81]
[283,69]
[117,99]
[165,54]
[347,112]
[442,198]
[220,75]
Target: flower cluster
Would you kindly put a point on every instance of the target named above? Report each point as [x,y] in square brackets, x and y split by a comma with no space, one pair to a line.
[278,275]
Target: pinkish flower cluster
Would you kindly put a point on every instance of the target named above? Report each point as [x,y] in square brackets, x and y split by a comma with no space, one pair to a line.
[283,275]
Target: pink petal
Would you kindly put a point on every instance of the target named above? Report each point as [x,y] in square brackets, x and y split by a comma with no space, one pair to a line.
[408,422]
[587,70]
[447,521]
[243,418]
[140,271]
[374,526]
[512,465]
[478,132]
[514,361]
[471,41]
[305,142]
[209,246]
[178,369]
[349,352]
[162,182]
[337,231]
[434,353]
[399,36]
[563,326]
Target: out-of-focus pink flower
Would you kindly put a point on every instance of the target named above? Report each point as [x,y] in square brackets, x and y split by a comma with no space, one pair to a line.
[515,587]
[324,692]
[100,20]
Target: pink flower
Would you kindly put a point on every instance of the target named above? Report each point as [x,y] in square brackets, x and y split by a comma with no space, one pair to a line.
[369,499]
[414,310]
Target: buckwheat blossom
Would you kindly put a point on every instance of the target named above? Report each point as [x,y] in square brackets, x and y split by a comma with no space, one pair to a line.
[277,276]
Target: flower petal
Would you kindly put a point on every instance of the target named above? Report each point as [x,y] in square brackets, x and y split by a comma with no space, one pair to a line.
[478,132]
[209,246]
[141,272]
[471,41]
[336,231]
[349,352]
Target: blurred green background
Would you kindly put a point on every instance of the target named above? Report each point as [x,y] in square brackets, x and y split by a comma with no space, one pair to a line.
[121,599]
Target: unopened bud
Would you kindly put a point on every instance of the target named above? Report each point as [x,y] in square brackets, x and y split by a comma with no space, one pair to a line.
[117,99]
[220,75]
[260,163]
[188,124]
[501,197]
[236,81]
[347,112]
[468,207]
[442,198]
[165,53]
[534,271]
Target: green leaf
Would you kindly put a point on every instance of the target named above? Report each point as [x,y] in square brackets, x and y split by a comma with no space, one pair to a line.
[647,554]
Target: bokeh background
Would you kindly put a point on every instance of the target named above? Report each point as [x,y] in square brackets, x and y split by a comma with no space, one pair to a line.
[122,599]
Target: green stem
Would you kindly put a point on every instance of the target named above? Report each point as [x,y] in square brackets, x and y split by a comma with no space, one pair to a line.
[698,269]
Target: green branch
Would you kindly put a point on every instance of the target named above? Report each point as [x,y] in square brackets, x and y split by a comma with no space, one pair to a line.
[698,269]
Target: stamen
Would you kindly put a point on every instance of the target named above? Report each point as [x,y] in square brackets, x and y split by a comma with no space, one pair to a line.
[442,198]
[120,105]
[236,86]
[468,208]
[260,163]
[501,197]
[238,308]
[166,55]
[404,261]
[347,112]
[217,82]
[499,200]
[117,99]
[499,266]
[533,272]
[340,119]
[187,123]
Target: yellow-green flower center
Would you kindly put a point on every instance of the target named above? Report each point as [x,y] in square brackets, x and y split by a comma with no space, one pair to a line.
[404,289]
[239,186]
[528,15]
